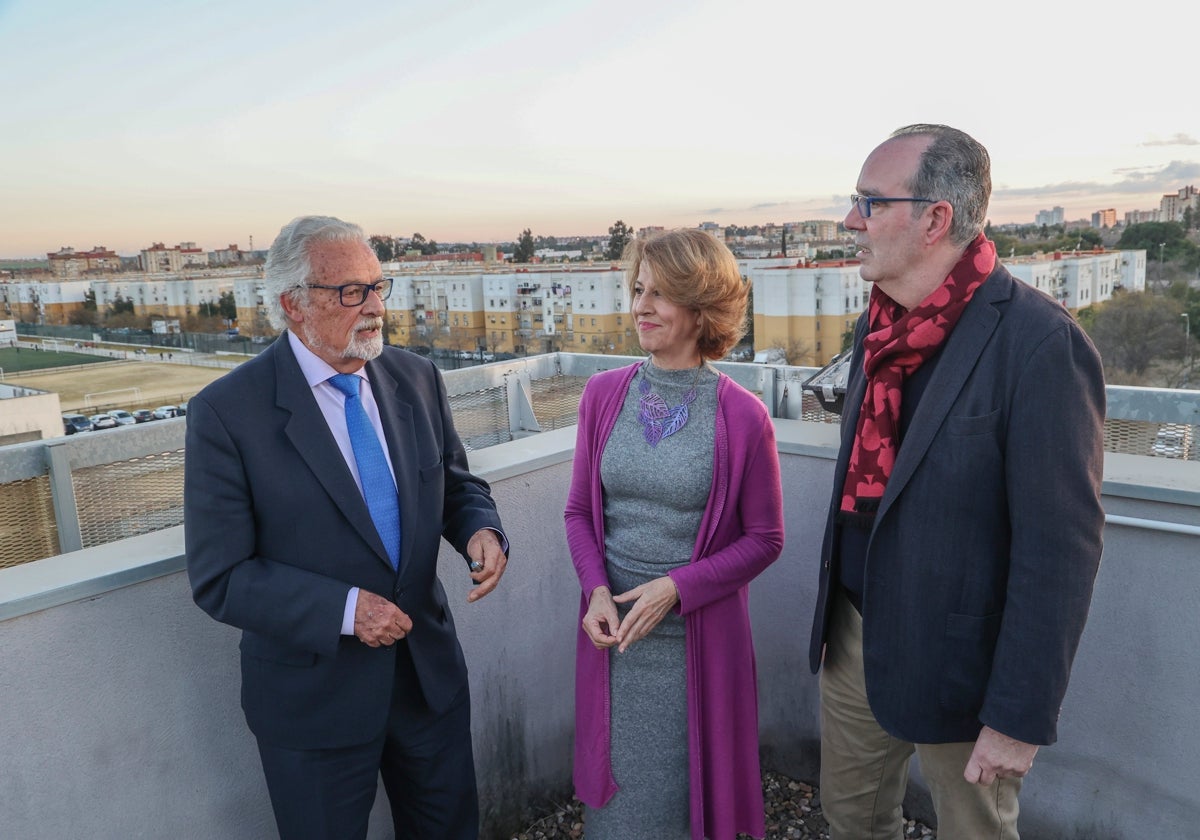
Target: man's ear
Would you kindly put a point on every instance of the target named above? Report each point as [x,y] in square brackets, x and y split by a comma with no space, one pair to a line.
[939,217]
[294,313]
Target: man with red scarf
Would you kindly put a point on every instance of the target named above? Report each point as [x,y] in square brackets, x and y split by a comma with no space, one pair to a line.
[964,533]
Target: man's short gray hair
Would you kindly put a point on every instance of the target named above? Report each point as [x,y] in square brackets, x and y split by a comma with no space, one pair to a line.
[288,267]
[955,167]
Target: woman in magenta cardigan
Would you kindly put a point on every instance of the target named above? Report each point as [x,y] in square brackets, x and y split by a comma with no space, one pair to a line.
[675,506]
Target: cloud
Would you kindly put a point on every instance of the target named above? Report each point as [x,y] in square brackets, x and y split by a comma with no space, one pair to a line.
[1143,180]
[1180,139]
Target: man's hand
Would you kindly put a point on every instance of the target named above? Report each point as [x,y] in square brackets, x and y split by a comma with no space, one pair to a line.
[485,552]
[377,621]
[601,622]
[652,601]
[996,756]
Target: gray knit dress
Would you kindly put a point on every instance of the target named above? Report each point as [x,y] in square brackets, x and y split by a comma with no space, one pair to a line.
[654,499]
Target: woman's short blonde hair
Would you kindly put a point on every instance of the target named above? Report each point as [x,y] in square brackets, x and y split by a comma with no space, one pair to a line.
[694,270]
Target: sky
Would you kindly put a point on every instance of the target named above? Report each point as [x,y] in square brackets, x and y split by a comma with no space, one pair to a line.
[130,122]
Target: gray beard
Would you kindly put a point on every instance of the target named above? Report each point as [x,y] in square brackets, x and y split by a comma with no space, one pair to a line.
[358,348]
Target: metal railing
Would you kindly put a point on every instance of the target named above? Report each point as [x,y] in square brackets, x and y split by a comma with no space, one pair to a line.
[75,492]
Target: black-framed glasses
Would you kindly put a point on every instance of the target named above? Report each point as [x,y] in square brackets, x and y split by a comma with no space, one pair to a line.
[862,203]
[355,294]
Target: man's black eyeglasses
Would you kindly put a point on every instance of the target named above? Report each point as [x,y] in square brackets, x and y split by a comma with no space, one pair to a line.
[862,203]
[355,294]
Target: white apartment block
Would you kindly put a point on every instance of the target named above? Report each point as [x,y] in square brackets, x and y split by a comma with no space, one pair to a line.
[1050,217]
[804,311]
[39,302]
[169,297]
[1079,280]
[599,319]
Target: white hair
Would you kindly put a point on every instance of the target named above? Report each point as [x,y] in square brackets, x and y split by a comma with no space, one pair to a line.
[288,267]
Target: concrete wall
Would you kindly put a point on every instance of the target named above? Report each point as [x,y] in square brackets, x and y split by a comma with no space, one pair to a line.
[28,414]
[119,699]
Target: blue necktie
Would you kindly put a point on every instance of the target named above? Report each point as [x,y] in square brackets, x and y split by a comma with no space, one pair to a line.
[378,487]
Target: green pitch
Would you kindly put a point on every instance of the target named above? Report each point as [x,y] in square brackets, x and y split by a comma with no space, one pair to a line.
[13,360]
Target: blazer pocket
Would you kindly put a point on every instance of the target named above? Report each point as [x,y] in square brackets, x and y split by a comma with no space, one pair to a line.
[262,648]
[976,424]
[430,474]
[969,645]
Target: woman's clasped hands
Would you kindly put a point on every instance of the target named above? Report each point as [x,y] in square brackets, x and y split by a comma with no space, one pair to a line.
[651,602]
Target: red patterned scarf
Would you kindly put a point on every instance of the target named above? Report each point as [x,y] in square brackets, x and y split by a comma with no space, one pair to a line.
[897,344]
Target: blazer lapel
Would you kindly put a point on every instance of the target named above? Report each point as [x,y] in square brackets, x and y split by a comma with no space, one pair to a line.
[959,357]
[395,413]
[308,432]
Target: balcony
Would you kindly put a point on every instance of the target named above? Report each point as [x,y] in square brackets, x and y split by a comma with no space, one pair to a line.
[121,715]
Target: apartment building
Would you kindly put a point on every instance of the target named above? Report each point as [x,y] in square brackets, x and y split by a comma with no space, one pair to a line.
[804,311]
[599,318]
[40,302]
[69,263]
[166,297]
[1080,279]
[159,259]
[1172,206]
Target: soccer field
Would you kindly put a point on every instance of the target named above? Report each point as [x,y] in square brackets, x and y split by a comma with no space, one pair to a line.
[127,385]
[14,360]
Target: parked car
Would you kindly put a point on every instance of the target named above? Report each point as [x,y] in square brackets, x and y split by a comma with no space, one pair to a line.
[166,412]
[1172,443]
[123,417]
[103,421]
[73,423]
[143,415]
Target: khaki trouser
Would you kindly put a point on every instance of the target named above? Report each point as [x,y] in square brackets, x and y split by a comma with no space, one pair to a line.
[864,770]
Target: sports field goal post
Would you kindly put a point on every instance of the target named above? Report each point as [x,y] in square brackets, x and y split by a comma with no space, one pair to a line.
[135,392]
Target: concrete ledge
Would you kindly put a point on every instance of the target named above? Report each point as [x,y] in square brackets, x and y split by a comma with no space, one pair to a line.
[60,580]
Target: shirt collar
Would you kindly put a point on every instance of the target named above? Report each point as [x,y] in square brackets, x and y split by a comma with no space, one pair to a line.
[315,369]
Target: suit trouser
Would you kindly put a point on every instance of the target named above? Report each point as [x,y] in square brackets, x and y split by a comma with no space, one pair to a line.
[864,770]
[424,758]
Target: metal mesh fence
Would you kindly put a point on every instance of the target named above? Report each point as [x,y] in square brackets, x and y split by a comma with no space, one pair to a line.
[481,417]
[143,494]
[129,498]
[556,400]
[1161,440]
[27,527]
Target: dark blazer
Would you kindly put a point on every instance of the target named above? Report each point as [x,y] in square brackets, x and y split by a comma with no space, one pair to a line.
[982,556]
[277,532]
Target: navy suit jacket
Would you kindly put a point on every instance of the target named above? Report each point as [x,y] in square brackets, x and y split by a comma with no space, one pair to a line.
[982,556]
[277,532]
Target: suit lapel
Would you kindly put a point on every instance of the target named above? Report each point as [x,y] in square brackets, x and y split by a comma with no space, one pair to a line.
[308,432]
[394,400]
[959,358]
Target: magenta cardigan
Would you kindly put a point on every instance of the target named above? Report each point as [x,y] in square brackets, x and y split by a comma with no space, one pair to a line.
[741,534]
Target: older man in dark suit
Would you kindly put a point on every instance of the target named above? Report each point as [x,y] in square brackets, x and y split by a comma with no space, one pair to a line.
[320,478]
[965,529]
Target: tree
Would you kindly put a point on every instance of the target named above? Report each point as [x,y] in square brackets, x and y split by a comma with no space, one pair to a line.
[523,253]
[385,248]
[1133,330]
[795,351]
[84,317]
[783,239]
[227,306]
[619,236]
[120,305]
